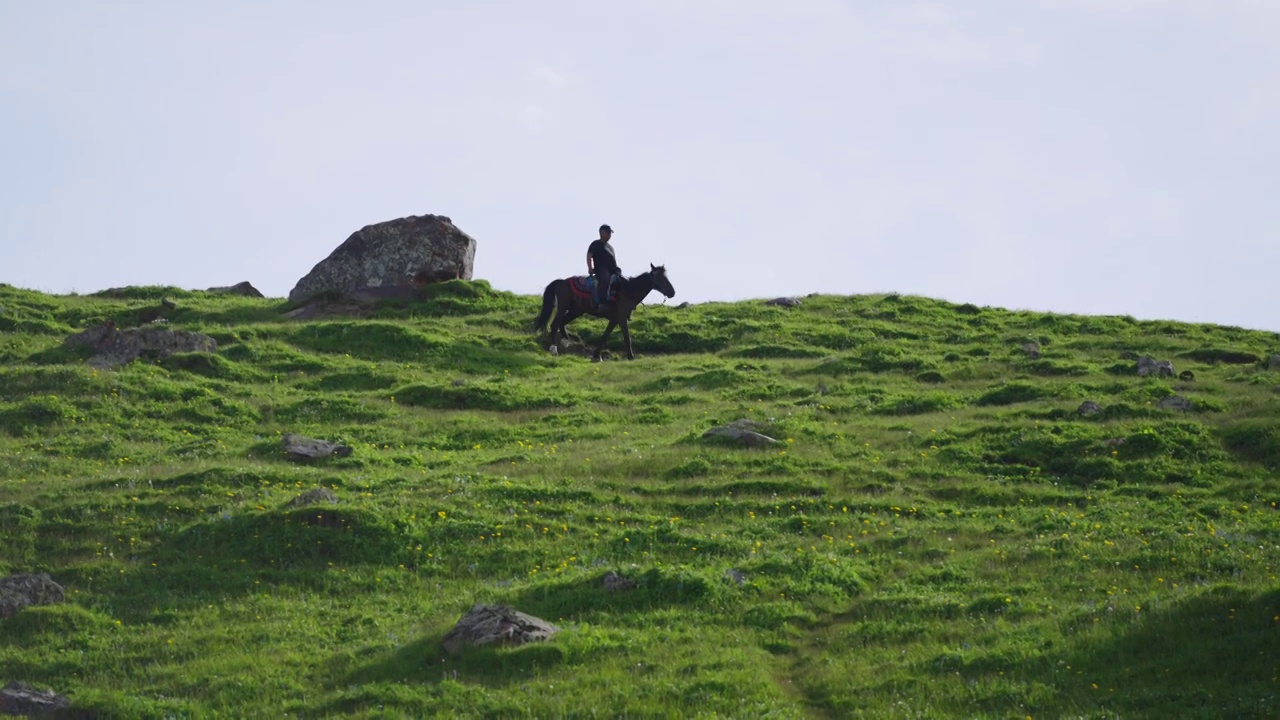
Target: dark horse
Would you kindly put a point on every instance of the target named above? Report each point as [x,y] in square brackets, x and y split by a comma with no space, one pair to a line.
[569,298]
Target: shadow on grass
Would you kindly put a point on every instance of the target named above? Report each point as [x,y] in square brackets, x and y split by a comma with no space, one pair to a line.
[1211,656]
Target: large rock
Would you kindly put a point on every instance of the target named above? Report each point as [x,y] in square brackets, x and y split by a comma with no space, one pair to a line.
[496,625]
[19,591]
[399,253]
[19,698]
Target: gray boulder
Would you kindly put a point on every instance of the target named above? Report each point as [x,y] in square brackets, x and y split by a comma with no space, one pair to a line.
[305,449]
[19,698]
[19,591]
[410,251]
[496,625]
[1175,402]
[1151,366]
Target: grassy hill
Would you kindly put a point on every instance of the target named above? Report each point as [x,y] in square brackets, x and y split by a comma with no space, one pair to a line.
[939,532]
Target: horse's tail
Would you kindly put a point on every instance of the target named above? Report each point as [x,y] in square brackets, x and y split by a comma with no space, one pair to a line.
[548,305]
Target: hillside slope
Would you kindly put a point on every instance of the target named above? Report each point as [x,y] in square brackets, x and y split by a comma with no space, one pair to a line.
[939,532]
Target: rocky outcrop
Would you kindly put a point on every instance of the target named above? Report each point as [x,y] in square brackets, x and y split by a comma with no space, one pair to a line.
[1089,407]
[114,347]
[496,625]
[19,591]
[407,252]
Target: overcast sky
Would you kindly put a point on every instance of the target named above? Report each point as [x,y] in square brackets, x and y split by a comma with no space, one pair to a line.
[1082,156]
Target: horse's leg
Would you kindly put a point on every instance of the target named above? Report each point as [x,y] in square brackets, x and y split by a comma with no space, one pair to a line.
[604,338]
[626,337]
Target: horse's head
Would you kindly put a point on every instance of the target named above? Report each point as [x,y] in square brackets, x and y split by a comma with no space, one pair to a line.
[660,281]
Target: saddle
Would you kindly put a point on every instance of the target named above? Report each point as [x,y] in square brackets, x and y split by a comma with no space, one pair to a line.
[584,286]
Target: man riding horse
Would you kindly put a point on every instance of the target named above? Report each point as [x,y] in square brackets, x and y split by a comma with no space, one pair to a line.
[603,266]
[569,298]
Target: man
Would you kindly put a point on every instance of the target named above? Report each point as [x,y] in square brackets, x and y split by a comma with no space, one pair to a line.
[602,265]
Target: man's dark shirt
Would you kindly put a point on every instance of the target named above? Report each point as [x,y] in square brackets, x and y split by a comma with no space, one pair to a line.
[601,253]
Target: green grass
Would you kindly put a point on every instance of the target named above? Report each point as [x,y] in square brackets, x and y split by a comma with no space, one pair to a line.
[939,533]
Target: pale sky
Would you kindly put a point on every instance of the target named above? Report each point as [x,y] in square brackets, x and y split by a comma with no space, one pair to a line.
[1081,156]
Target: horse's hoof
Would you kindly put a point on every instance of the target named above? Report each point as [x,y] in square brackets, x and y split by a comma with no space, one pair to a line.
[555,349]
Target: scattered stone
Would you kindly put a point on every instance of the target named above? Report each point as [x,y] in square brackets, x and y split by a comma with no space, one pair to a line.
[460,382]
[402,253]
[784,302]
[1274,363]
[1175,402]
[305,449]
[19,698]
[682,305]
[243,289]
[737,577]
[744,431]
[1151,366]
[496,625]
[1115,442]
[114,348]
[19,591]
[1089,407]
[822,388]
[1032,350]
[317,496]
[613,582]
[168,304]
[1187,376]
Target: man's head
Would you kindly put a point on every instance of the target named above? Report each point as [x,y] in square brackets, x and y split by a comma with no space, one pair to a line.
[605,232]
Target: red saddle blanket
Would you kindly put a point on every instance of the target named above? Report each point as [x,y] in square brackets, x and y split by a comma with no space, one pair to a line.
[583,286]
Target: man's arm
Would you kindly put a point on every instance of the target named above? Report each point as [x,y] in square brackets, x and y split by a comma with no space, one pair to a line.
[591,263]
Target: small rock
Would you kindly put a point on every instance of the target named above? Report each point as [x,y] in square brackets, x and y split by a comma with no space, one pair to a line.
[243,289]
[496,624]
[682,306]
[314,497]
[303,448]
[1274,363]
[736,577]
[613,582]
[1151,366]
[783,302]
[1032,350]
[19,698]
[1187,376]
[1089,407]
[19,591]
[744,431]
[1175,402]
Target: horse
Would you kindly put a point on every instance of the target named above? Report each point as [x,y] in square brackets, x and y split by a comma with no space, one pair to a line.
[570,298]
